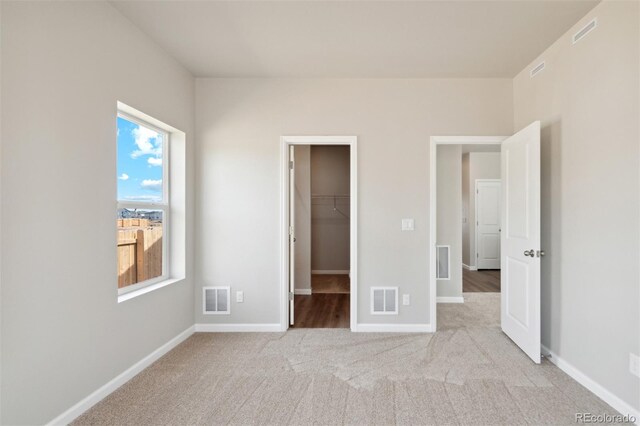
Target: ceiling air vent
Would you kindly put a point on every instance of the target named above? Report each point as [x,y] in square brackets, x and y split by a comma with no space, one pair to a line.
[535,70]
[384,300]
[585,30]
[216,300]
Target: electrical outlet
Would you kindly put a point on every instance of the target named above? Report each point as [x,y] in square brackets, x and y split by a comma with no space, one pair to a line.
[634,364]
[239,296]
[405,300]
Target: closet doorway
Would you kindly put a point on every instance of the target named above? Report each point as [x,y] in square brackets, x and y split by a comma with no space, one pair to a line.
[320,270]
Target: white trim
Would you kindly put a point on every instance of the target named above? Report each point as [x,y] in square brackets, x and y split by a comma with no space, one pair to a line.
[330,272]
[586,381]
[393,328]
[83,405]
[139,118]
[434,141]
[149,288]
[475,210]
[469,268]
[285,142]
[302,291]
[450,299]
[237,328]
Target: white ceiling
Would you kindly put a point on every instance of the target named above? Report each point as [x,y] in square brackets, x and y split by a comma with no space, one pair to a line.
[359,38]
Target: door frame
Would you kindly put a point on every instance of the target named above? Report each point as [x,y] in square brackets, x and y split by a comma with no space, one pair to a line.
[434,141]
[285,143]
[475,209]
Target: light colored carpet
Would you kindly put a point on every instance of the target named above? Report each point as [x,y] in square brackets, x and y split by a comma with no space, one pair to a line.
[468,372]
[321,283]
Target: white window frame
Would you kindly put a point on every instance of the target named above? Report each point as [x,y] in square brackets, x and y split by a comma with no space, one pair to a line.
[163,206]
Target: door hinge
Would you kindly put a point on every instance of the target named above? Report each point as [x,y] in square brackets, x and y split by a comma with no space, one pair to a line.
[290,295]
[477,254]
[290,165]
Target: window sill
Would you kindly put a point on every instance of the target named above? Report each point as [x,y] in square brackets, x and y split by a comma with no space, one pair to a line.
[144,290]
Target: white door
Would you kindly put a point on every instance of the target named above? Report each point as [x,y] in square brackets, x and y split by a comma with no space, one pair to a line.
[521,252]
[488,213]
[292,217]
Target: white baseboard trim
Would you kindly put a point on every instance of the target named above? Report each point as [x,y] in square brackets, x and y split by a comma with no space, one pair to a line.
[302,291]
[602,393]
[75,411]
[469,268]
[237,328]
[329,272]
[450,299]
[393,328]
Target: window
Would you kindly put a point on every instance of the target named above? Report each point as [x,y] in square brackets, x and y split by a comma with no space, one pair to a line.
[143,203]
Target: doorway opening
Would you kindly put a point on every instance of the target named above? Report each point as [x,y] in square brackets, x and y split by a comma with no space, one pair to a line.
[507,227]
[468,223]
[320,224]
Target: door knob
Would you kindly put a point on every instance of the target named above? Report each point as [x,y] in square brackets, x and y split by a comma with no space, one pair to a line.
[529,253]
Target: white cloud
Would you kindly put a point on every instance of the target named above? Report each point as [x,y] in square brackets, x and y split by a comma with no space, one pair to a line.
[148,142]
[152,185]
[154,161]
[123,176]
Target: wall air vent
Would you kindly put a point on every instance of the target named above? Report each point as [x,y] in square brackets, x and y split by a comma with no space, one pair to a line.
[535,70]
[585,30]
[443,262]
[384,300]
[216,300]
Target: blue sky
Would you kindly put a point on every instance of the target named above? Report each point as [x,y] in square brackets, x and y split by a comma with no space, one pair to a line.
[139,162]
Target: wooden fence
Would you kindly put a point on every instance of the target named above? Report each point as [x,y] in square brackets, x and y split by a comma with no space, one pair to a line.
[139,251]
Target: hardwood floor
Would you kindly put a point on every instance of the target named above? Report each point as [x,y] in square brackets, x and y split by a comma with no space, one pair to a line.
[330,283]
[485,281]
[327,307]
[322,310]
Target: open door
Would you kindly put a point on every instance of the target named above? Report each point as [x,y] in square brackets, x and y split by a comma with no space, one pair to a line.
[520,242]
[292,217]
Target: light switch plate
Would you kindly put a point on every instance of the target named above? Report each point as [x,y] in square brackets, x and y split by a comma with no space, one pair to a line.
[407,225]
[406,301]
[239,296]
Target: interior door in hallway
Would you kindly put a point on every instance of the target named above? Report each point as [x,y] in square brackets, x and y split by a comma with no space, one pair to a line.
[521,251]
[292,239]
[488,214]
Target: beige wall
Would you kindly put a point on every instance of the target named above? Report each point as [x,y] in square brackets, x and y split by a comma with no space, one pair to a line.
[482,165]
[302,224]
[587,98]
[329,229]
[64,66]
[449,215]
[239,124]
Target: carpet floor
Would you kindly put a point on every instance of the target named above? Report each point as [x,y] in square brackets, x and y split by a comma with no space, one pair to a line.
[468,372]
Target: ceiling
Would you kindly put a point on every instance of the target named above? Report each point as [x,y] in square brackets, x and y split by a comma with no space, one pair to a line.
[361,39]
